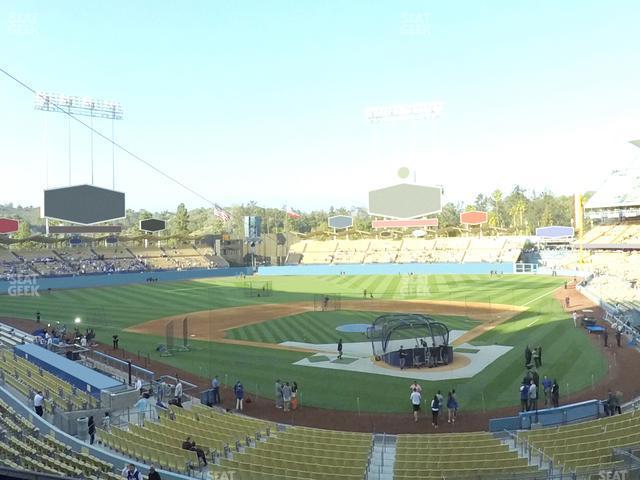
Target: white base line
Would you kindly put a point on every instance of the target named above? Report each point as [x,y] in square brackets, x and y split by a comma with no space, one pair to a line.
[533,322]
[538,298]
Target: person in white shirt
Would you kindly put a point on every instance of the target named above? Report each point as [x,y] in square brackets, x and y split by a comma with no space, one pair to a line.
[178,391]
[416,400]
[139,385]
[38,403]
[83,341]
[575,319]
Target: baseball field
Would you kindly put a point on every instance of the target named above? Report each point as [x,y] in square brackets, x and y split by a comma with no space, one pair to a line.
[238,335]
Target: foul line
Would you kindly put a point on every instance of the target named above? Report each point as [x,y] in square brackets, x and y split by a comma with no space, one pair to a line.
[538,298]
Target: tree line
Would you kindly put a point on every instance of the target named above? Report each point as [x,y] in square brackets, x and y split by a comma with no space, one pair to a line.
[517,212]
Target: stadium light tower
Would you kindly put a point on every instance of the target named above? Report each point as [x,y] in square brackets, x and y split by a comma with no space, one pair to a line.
[84,106]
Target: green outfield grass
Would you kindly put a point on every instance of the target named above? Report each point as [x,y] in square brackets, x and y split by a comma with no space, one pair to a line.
[568,354]
[320,327]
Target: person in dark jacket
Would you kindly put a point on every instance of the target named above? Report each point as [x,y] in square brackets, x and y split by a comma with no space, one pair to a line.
[189,444]
[435,410]
[555,394]
[91,424]
[153,475]
[524,397]
[539,356]
[238,390]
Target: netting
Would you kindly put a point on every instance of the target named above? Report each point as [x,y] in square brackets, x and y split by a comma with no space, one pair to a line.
[258,288]
[327,302]
[389,332]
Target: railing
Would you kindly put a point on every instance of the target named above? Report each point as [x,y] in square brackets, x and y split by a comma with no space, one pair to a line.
[119,368]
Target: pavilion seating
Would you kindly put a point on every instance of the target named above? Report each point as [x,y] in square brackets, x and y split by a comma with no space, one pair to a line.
[587,445]
[477,455]
[27,378]
[24,448]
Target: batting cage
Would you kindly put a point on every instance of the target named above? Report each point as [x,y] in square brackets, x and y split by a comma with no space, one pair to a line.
[258,288]
[326,302]
[410,340]
[168,349]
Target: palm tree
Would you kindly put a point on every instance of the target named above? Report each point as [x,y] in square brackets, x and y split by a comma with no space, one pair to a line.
[495,216]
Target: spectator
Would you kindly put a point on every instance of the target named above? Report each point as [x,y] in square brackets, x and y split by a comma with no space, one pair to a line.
[403,357]
[153,475]
[133,473]
[106,422]
[238,390]
[91,425]
[286,397]
[189,444]
[535,376]
[142,405]
[294,396]
[546,385]
[435,410]
[139,385]
[415,385]
[555,394]
[278,394]
[215,385]
[539,356]
[440,399]
[38,403]
[533,396]
[612,404]
[524,397]
[618,337]
[452,407]
[416,400]
[177,393]
[618,402]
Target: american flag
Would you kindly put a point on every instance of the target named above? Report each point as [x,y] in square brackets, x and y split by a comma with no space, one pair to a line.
[221,213]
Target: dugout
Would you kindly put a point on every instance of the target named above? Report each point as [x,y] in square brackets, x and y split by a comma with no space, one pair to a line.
[425,341]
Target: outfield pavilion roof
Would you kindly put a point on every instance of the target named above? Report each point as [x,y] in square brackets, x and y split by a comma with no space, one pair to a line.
[620,190]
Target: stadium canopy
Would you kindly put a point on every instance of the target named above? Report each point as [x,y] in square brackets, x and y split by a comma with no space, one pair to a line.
[620,190]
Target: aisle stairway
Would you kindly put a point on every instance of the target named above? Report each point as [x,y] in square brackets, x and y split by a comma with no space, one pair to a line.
[383,458]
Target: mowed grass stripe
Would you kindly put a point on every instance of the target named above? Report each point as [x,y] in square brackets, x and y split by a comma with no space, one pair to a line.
[568,353]
[392,287]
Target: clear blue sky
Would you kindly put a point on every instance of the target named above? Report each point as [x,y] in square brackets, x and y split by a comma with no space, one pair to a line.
[265,100]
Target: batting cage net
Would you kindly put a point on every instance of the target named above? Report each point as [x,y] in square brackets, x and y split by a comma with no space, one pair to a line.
[170,346]
[326,302]
[388,332]
[258,288]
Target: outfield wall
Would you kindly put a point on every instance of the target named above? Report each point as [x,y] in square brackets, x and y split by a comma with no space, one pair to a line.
[389,269]
[113,279]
